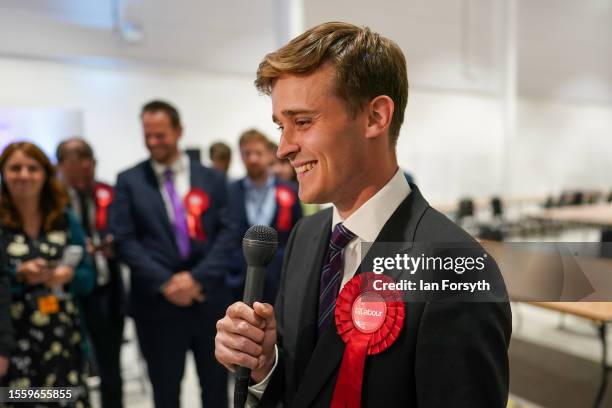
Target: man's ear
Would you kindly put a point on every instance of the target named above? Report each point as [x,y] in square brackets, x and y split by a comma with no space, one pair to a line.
[380,112]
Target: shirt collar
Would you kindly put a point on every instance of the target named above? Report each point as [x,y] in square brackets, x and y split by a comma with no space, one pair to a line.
[369,219]
[180,165]
[248,183]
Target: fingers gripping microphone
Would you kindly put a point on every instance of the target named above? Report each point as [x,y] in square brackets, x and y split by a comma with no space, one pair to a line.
[258,246]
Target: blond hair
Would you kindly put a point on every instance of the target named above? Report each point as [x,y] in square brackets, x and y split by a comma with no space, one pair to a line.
[367,65]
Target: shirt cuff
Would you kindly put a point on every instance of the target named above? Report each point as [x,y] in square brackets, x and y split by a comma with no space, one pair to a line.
[257,390]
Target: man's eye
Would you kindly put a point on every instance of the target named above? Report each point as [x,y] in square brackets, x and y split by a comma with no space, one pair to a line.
[279,128]
[302,122]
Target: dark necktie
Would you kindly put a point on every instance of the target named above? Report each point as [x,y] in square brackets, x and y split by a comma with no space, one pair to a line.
[84,208]
[331,274]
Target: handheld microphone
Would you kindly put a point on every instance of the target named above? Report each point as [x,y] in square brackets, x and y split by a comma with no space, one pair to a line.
[258,246]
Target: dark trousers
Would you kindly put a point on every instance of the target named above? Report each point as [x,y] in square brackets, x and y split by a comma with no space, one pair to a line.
[106,335]
[164,345]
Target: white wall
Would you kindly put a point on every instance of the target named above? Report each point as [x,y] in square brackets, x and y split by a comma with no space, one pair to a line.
[454,145]
[561,145]
[452,141]
[212,107]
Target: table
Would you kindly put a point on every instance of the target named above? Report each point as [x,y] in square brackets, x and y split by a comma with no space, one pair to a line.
[596,215]
[598,271]
[481,203]
[600,313]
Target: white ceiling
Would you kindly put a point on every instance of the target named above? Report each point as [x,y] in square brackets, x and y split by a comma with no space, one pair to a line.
[564,46]
[228,36]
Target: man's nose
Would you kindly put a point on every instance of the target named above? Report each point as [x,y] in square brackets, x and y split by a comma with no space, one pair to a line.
[287,146]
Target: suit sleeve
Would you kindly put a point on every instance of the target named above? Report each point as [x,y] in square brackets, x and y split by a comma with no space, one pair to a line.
[215,265]
[128,247]
[275,392]
[461,356]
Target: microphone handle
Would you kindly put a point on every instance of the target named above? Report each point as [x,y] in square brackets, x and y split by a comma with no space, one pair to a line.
[253,291]
[254,284]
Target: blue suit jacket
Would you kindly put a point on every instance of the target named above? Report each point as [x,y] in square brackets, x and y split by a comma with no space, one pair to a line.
[238,214]
[144,239]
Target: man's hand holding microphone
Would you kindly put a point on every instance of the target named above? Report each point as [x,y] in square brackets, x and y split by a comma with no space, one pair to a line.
[246,336]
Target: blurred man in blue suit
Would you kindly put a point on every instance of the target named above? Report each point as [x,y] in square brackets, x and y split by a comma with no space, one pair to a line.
[260,198]
[172,229]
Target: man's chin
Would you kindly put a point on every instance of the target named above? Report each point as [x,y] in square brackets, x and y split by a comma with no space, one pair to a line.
[160,158]
[309,197]
[256,174]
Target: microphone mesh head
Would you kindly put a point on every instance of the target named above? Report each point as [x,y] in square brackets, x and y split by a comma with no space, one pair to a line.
[262,233]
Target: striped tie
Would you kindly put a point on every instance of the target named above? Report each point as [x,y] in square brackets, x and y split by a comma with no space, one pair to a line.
[331,275]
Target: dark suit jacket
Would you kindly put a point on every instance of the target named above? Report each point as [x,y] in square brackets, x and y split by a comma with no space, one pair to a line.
[448,354]
[144,239]
[239,216]
[108,301]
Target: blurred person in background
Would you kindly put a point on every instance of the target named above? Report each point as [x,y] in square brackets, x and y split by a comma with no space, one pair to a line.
[261,198]
[105,307]
[283,169]
[38,234]
[220,156]
[170,224]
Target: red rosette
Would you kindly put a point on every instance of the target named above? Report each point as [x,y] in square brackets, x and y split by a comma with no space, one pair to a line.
[369,322]
[196,203]
[285,197]
[103,195]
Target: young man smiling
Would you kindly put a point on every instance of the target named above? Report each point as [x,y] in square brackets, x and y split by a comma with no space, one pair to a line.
[338,96]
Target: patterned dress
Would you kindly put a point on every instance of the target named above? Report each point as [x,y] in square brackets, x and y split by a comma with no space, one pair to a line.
[49,344]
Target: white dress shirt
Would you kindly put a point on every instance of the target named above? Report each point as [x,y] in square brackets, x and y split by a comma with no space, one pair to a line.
[369,219]
[181,179]
[366,223]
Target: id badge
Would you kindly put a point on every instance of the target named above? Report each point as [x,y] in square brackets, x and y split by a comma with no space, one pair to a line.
[48,304]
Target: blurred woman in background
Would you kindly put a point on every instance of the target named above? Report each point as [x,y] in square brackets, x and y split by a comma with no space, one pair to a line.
[48,272]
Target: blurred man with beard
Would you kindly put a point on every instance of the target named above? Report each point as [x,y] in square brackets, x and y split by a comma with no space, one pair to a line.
[261,198]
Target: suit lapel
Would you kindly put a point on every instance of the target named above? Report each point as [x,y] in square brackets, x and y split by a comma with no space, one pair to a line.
[157,200]
[328,351]
[196,178]
[308,308]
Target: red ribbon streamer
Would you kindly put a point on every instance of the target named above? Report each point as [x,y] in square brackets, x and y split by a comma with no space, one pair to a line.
[196,203]
[285,199]
[103,194]
[348,387]
[347,392]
